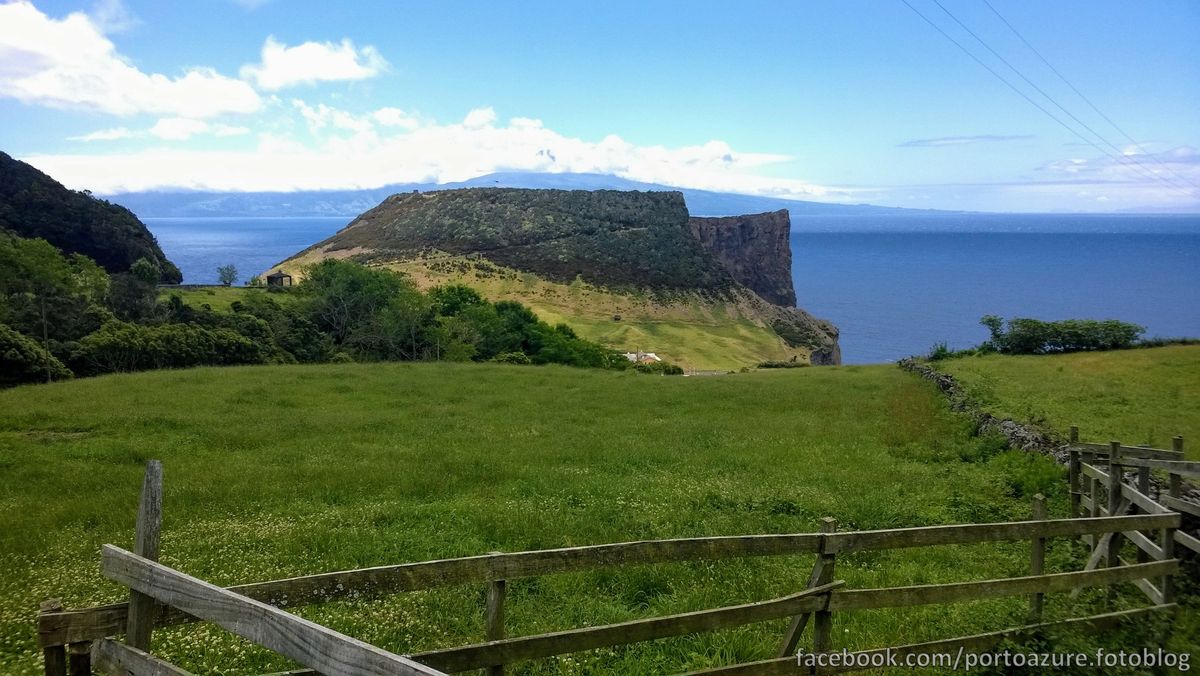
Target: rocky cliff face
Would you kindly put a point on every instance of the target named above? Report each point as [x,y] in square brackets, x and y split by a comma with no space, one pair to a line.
[754,249]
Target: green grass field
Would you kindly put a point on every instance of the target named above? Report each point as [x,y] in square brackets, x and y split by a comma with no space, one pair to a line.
[1138,397]
[217,297]
[279,471]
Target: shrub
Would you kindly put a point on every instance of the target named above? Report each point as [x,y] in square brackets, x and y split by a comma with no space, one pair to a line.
[660,368]
[24,361]
[118,346]
[780,364]
[512,358]
[1034,336]
[939,352]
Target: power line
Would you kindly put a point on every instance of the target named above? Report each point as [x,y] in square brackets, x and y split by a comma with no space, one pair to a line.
[1131,162]
[1013,87]
[1086,100]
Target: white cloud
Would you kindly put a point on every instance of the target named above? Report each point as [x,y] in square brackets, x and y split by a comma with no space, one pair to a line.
[168,129]
[479,117]
[178,128]
[112,134]
[312,62]
[1175,170]
[321,116]
[346,150]
[394,117]
[69,63]
[368,150]
[182,129]
[225,130]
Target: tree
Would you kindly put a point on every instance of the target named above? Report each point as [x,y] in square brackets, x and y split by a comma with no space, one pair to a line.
[46,295]
[227,275]
[146,270]
[342,295]
[24,361]
[131,298]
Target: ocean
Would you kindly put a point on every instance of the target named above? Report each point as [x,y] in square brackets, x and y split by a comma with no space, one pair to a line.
[894,285]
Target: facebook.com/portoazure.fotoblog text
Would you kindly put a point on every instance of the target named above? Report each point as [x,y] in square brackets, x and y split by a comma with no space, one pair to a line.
[965,660]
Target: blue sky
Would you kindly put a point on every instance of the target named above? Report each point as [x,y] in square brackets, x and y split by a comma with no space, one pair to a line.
[848,101]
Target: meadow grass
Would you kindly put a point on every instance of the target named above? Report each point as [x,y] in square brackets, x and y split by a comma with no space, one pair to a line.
[1138,397]
[278,471]
[218,298]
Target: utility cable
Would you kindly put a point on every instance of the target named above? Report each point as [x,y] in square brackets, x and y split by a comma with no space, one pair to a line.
[1013,87]
[1087,100]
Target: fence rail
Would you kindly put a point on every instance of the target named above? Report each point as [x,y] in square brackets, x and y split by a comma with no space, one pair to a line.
[87,624]
[82,639]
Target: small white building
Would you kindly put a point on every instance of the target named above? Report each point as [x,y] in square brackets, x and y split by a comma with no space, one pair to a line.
[642,357]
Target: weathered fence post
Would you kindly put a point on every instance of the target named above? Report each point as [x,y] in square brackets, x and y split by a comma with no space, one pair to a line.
[146,545]
[79,659]
[1177,444]
[1093,539]
[1166,540]
[1073,473]
[1114,506]
[494,618]
[823,619]
[1037,559]
[822,573]
[55,656]
[1167,535]
[1143,487]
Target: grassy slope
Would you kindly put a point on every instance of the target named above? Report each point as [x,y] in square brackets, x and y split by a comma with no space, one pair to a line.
[690,331]
[278,471]
[696,333]
[1135,396]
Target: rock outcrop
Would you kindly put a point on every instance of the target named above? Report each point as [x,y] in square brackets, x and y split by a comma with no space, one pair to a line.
[754,249]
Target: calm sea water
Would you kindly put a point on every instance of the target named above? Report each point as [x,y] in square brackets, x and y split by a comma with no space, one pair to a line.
[200,245]
[894,285]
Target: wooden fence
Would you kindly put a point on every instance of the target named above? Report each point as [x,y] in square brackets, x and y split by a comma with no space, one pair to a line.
[1097,475]
[76,641]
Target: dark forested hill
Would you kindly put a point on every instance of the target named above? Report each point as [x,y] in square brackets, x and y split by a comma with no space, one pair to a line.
[34,205]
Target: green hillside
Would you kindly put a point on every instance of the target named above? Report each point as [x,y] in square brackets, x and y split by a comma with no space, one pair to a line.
[698,331]
[1139,397]
[279,471]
